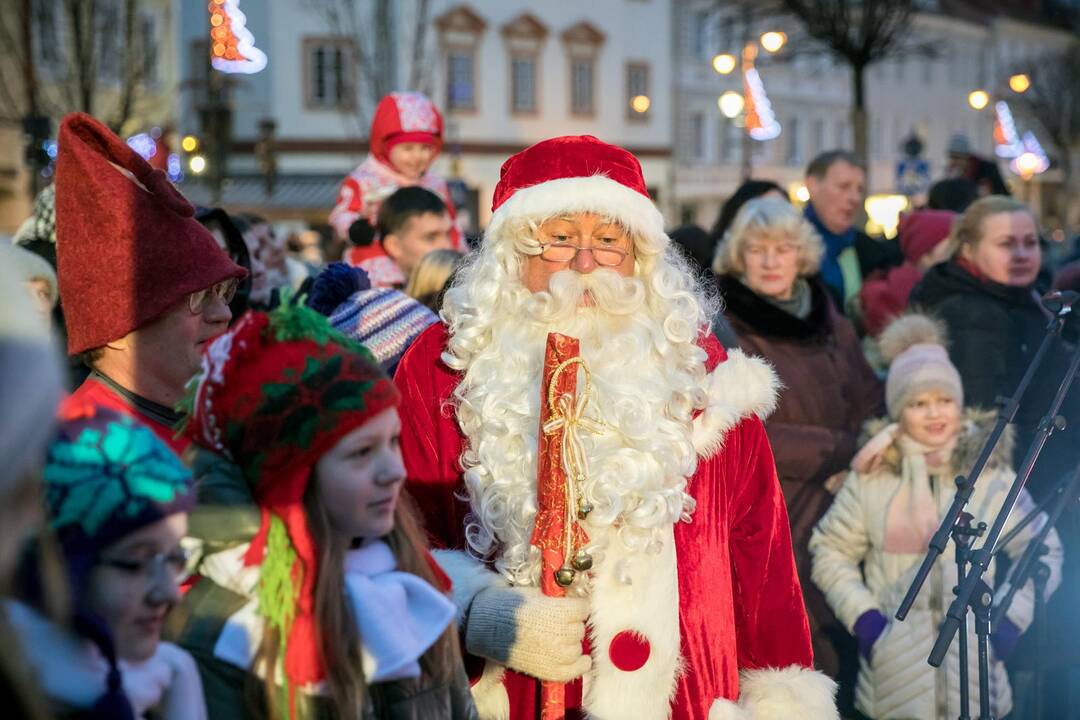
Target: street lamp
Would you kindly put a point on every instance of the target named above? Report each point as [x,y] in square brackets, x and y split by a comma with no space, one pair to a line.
[773,41]
[189,144]
[640,104]
[197,163]
[724,64]
[731,104]
[978,99]
[1019,83]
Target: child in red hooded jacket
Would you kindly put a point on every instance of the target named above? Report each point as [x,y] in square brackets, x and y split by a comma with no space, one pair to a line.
[406,137]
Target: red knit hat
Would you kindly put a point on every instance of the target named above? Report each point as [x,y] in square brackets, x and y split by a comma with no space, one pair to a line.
[576,173]
[405,117]
[920,231]
[128,245]
[275,393]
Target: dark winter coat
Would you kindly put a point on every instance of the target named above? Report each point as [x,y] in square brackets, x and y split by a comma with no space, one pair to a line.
[994,332]
[829,392]
[829,389]
[226,517]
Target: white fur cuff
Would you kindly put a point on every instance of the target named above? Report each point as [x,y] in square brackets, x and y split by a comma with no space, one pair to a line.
[489,694]
[781,694]
[469,576]
[739,387]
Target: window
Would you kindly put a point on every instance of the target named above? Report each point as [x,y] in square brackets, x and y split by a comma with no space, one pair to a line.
[460,30]
[700,20]
[328,74]
[638,101]
[460,80]
[148,42]
[523,84]
[793,151]
[108,22]
[730,141]
[583,43]
[817,138]
[581,86]
[47,43]
[695,141]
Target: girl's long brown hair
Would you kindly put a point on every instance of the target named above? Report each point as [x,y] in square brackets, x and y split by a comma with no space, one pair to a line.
[339,647]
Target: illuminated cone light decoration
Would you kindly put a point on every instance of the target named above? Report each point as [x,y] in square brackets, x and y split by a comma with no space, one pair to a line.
[1006,140]
[759,118]
[232,46]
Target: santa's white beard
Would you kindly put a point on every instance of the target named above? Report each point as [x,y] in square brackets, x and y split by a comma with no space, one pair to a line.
[646,388]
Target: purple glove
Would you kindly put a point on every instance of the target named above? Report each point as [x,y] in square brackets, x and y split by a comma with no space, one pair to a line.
[868,629]
[1004,638]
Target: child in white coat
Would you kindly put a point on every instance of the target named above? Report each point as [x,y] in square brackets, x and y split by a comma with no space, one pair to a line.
[869,544]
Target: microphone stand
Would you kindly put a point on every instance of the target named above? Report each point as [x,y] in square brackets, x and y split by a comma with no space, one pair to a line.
[973,591]
[963,537]
[965,486]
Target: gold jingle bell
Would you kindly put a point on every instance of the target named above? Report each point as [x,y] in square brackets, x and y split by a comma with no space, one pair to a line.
[582,561]
[564,576]
[583,510]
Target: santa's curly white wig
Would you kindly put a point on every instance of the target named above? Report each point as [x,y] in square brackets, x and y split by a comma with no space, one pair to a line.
[640,342]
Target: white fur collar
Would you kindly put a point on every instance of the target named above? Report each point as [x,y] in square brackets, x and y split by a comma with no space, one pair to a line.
[739,387]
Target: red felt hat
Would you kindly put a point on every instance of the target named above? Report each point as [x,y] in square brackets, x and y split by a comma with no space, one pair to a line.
[128,244]
[405,117]
[576,173]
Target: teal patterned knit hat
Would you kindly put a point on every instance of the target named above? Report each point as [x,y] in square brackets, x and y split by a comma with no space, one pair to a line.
[107,476]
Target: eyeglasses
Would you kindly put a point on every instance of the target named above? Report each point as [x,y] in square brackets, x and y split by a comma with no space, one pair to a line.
[224,291]
[173,565]
[561,252]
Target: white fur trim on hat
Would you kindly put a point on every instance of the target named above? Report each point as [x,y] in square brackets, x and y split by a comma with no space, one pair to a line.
[780,694]
[597,194]
[739,387]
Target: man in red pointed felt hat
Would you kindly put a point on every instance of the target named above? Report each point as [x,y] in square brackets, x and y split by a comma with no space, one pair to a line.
[144,286]
[634,503]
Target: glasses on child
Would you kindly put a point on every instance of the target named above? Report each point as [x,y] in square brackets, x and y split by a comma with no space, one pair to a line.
[173,564]
[224,291]
[563,252]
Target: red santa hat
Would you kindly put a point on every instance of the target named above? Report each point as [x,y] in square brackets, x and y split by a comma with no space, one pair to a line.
[571,174]
[128,245]
[405,117]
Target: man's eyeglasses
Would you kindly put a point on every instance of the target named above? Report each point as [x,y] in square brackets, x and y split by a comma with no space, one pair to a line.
[562,252]
[224,291]
[173,565]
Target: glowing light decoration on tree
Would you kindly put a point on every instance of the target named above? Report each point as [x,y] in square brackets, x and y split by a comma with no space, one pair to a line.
[759,118]
[1006,140]
[143,144]
[232,46]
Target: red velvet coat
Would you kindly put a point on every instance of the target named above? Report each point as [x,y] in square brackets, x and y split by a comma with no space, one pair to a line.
[740,604]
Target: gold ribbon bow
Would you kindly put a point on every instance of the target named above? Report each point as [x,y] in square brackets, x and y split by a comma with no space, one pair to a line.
[568,415]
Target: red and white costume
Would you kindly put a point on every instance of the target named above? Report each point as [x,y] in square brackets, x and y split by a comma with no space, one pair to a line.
[707,622]
[399,117]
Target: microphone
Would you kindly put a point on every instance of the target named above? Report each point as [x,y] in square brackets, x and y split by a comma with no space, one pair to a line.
[1060,302]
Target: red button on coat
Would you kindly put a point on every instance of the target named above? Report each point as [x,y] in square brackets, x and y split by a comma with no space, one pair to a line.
[629,651]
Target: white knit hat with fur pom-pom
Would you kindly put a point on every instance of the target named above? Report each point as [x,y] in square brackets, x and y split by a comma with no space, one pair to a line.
[914,345]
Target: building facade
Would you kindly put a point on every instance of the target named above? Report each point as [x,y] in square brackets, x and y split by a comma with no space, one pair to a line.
[505,74]
[922,92]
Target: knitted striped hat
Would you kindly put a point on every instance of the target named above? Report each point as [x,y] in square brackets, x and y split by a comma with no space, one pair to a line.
[383,320]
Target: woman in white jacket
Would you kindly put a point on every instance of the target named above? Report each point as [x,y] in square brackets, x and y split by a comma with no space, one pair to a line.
[869,544]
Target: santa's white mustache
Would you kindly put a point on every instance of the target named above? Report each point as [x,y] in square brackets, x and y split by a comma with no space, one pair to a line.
[570,291]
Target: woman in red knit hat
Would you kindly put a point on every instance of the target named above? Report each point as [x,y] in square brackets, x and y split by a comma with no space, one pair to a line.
[322,602]
[406,137]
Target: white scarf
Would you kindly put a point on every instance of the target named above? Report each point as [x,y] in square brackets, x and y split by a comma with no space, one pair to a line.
[398,615]
[72,672]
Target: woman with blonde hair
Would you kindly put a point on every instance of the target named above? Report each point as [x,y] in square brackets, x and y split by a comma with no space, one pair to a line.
[432,275]
[777,307]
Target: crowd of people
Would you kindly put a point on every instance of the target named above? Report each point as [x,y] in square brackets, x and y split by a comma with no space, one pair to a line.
[574,468]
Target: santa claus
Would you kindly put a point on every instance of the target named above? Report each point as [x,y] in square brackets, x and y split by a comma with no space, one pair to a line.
[679,592]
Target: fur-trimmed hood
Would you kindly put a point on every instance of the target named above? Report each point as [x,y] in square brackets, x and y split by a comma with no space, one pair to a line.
[975,427]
